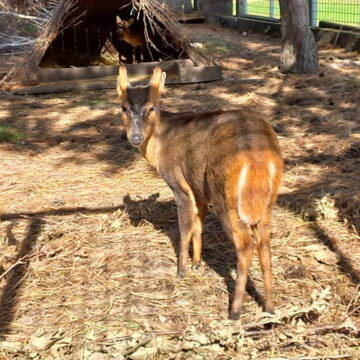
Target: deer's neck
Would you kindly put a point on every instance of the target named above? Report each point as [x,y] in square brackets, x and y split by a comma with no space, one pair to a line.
[150,148]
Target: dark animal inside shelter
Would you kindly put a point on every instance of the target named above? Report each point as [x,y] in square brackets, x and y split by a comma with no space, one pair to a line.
[111,32]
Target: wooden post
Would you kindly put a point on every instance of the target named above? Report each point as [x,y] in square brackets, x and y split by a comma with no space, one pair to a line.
[187,6]
[272,9]
[242,8]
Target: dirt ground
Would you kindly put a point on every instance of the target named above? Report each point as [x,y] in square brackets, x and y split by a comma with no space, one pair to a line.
[89,236]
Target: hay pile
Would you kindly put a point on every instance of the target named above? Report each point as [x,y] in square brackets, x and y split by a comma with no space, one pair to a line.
[89,234]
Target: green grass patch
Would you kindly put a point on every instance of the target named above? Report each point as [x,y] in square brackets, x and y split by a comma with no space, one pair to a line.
[346,12]
[262,8]
[12,135]
[214,47]
[97,102]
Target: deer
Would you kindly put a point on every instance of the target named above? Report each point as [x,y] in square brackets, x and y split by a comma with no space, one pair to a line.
[132,33]
[226,158]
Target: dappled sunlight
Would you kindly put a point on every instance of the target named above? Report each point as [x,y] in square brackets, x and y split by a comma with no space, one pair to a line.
[4,114]
[95,228]
[318,111]
[233,63]
[345,105]
[348,67]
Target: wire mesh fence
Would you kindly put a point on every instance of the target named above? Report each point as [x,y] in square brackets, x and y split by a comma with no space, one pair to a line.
[266,8]
[343,12]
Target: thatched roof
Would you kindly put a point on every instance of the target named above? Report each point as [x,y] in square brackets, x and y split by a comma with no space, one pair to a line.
[158,19]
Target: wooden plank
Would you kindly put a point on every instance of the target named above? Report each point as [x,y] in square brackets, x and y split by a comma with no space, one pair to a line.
[176,74]
[65,86]
[85,85]
[200,74]
[89,72]
[94,72]
[192,18]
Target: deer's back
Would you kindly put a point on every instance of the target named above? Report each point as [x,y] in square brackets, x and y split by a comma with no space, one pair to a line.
[215,134]
[205,147]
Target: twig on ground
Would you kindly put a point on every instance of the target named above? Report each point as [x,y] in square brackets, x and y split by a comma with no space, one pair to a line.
[322,357]
[18,262]
[129,337]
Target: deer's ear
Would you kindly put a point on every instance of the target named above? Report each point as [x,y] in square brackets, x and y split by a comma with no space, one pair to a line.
[157,81]
[118,20]
[122,81]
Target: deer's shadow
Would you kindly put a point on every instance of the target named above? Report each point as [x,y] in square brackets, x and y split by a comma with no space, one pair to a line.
[218,252]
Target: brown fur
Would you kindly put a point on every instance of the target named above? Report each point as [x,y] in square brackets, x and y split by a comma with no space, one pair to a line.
[132,32]
[228,158]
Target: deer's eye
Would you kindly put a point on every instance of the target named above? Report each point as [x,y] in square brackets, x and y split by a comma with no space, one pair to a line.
[124,108]
[152,108]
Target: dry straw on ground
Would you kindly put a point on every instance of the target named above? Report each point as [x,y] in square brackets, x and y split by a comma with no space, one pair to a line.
[89,234]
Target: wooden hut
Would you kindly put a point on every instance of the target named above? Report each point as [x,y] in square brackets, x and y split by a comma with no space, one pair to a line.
[81,40]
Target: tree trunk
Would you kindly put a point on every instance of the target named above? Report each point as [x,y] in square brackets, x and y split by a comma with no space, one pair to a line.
[299,53]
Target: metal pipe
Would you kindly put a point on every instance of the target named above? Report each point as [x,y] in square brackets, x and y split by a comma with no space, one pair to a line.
[272,9]
[243,7]
[313,10]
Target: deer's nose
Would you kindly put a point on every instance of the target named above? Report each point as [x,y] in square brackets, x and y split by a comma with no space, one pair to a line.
[136,139]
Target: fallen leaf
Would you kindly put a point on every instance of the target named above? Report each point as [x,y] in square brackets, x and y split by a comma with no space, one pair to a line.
[49,250]
[42,342]
[98,356]
[12,346]
[348,324]
[143,353]
[321,254]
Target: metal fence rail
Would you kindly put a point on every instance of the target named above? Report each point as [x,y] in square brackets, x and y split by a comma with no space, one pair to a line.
[343,12]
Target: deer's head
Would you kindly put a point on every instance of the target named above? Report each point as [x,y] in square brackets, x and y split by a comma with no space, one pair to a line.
[140,105]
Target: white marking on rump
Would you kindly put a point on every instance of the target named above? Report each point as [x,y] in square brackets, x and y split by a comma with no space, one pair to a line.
[255,199]
[272,169]
[240,187]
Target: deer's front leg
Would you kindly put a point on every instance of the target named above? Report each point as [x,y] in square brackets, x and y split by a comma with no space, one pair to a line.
[187,213]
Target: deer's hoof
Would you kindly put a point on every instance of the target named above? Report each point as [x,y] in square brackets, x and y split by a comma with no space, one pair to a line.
[195,267]
[180,274]
[234,315]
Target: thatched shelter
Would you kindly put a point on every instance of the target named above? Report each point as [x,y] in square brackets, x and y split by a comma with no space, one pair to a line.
[84,33]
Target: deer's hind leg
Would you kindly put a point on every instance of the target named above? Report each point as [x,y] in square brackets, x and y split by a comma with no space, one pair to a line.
[239,233]
[262,231]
